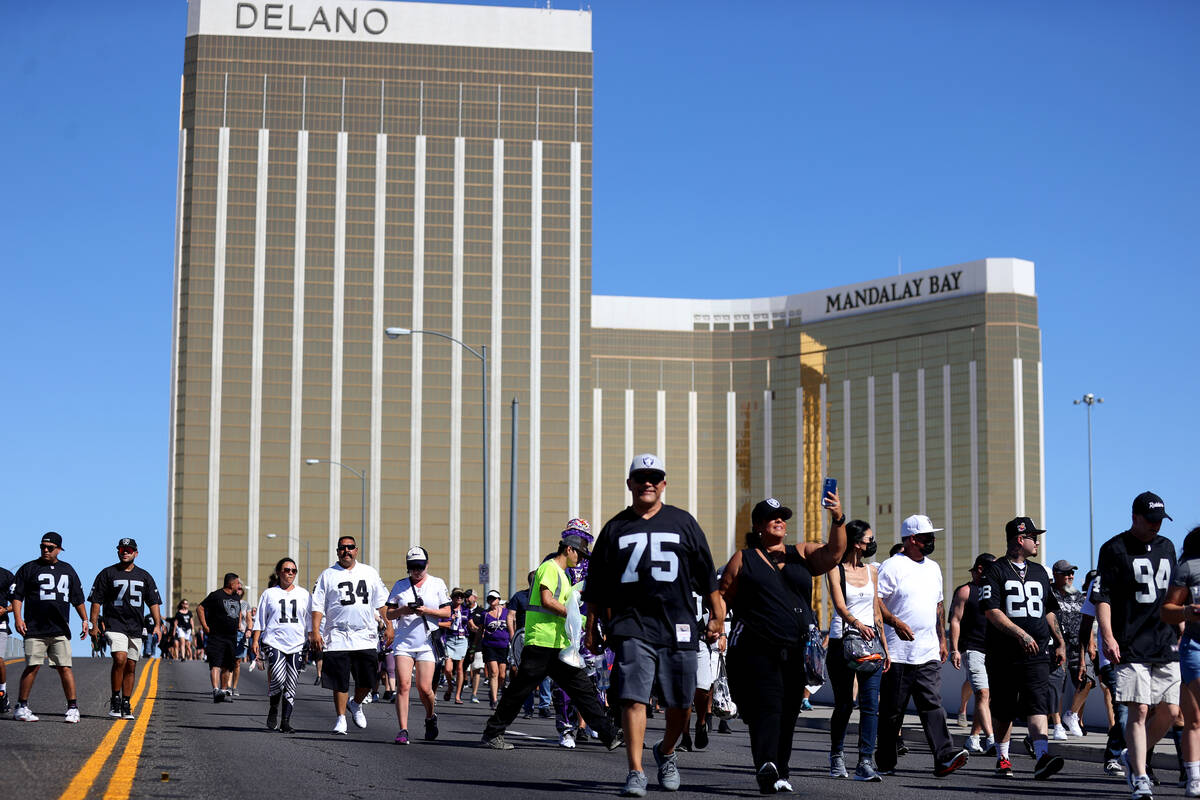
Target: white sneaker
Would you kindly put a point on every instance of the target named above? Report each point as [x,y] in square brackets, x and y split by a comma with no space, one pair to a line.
[973,745]
[567,740]
[339,727]
[1192,790]
[1059,734]
[72,715]
[1071,723]
[356,711]
[24,714]
[962,721]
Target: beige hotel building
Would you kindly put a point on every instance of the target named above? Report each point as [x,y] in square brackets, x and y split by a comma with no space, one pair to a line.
[349,166]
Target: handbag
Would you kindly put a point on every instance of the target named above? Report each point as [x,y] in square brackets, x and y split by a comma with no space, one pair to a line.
[723,705]
[814,658]
[860,654]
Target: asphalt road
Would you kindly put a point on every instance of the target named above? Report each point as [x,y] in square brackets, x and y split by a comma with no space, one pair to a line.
[207,750]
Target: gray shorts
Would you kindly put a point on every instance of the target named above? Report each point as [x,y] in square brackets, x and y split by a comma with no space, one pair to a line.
[641,663]
[973,660]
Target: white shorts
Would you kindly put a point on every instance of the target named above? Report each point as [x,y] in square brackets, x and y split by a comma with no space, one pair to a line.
[1146,684]
[423,653]
[976,664]
[706,666]
[180,633]
[120,643]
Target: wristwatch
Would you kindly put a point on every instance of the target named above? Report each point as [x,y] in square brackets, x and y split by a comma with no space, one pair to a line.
[840,520]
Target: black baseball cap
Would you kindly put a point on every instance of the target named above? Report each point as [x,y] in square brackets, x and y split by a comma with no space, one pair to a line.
[770,509]
[576,541]
[50,537]
[1150,506]
[127,542]
[1021,526]
[982,560]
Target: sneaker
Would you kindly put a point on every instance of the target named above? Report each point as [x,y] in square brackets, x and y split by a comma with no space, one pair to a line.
[431,728]
[613,743]
[1123,760]
[1192,790]
[1112,768]
[339,727]
[218,696]
[401,737]
[1047,765]
[973,744]
[701,741]
[1059,734]
[901,748]
[114,706]
[235,693]
[1142,789]
[668,769]
[72,715]
[783,786]
[356,711]
[567,740]
[1003,767]
[1072,723]
[685,742]
[250,665]
[498,742]
[1028,743]
[5,705]
[723,727]
[126,710]
[948,765]
[767,776]
[989,745]
[273,718]
[962,720]
[806,706]
[286,726]
[837,766]
[865,771]
[476,700]
[229,695]
[635,784]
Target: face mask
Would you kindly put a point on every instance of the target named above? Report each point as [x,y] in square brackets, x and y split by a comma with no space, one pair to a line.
[927,548]
[872,548]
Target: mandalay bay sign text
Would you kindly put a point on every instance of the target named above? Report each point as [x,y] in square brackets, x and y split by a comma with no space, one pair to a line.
[894,291]
[286,17]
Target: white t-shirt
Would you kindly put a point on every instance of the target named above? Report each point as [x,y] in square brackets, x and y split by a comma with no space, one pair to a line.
[284,617]
[349,598]
[911,590]
[412,631]
[1089,608]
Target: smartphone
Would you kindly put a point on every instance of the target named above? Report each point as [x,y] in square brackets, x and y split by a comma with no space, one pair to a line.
[829,486]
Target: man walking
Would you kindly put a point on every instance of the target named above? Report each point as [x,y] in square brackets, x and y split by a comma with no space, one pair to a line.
[910,586]
[218,615]
[968,628]
[1135,570]
[349,597]
[647,561]
[1022,631]
[44,592]
[7,579]
[124,591]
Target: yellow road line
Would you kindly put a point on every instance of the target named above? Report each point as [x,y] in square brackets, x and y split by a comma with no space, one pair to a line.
[13,661]
[83,780]
[121,783]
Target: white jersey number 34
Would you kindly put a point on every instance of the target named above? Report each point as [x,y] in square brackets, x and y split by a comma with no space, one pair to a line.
[1149,579]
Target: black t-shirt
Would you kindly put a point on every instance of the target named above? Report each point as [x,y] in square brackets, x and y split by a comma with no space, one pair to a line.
[221,612]
[7,580]
[476,616]
[770,603]
[183,621]
[972,629]
[645,570]
[1025,600]
[1133,580]
[48,592]
[518,604]
[124,597]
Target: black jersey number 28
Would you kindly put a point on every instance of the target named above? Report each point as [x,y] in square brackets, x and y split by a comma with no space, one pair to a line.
[349,590]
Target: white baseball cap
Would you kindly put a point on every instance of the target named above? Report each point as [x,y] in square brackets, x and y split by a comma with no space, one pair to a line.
[647,462]
[917,523]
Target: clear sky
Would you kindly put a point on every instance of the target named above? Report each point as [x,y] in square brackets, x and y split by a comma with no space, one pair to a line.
[741,149]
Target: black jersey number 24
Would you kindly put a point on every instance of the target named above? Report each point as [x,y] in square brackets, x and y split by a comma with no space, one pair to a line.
[349,590]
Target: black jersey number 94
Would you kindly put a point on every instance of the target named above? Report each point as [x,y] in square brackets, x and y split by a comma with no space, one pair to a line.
[349,592]
[1150,581]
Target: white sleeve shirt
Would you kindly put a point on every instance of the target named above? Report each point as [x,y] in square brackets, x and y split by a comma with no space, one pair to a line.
[911,590]
[284,617]
[348,598]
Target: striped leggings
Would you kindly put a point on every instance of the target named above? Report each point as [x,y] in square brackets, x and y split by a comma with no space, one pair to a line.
[283,669]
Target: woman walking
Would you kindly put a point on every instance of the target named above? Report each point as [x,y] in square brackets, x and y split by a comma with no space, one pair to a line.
[418,604]
[768,586]
[495,644]
[455,632]
[280,631]
[852,587]
[1179,606]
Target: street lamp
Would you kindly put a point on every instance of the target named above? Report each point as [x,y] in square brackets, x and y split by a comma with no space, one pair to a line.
[1089,400]
[362,479]
[395,333]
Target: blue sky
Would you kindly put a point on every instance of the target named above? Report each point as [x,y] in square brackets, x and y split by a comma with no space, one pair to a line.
[796,145]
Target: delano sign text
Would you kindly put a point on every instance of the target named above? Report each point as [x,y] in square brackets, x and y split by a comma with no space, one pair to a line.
[283,17]
[890,293]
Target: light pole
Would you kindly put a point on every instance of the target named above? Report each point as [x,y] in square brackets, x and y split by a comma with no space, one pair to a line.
[395,333]
[362,479]
[1089,400]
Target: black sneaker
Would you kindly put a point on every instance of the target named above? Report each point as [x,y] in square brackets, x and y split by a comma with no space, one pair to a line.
[685,742]
[766,776]
[431,728]
[723,727]
[901,748]
[218,696]
[950,763]
[701,736]
[286,726]
[496,742]
[1028,745]
[5,706]
[114,706]
[1047,765]
[273,718]
[126,710]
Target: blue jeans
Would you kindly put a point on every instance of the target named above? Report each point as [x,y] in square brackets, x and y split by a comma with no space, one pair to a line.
[1189,659]
[1116,734]
[841,681]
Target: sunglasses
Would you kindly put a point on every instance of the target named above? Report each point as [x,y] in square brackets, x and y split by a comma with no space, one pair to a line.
[123,550]
[341,547]
[646,477]
[289,571]
[48,547]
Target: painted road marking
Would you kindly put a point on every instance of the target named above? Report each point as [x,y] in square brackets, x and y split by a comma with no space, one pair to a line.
[121,783]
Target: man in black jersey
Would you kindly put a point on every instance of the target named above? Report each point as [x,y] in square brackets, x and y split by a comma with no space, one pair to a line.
[1135,568]
[218,616]
[645,565]
[44,593]
[7,579]
[968,629]
[1022,639]
[124,591]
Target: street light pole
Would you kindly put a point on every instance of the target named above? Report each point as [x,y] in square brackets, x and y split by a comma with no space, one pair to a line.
[394,333]
[1089,400]
[362,479]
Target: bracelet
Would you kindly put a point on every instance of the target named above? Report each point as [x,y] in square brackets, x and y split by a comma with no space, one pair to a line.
[840,521]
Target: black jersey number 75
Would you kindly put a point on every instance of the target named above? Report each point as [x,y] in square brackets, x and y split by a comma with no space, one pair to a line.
[349,590]
[664,564]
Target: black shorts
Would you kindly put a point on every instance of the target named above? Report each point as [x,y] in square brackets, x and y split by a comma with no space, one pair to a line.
[340,666]
[1018,689]
[495,654]
[219,652]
